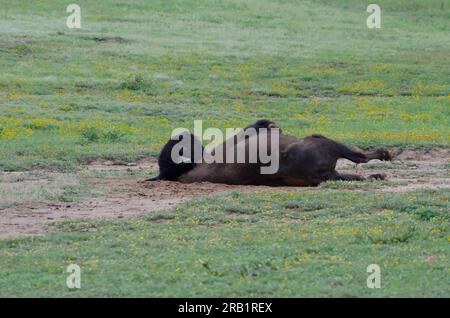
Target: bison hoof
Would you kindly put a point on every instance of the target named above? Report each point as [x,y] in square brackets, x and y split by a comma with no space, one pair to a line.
[384,155]
[377,176]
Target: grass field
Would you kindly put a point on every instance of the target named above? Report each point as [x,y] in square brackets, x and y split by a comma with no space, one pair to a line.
[295,244]
[116,88]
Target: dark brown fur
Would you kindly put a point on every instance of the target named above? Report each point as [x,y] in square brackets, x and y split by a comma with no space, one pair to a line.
[304,161]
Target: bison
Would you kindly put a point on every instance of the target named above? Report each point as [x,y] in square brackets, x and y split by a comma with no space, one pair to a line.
[306,161]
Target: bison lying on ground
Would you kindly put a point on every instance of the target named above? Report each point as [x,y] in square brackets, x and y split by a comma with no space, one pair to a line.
[304,161]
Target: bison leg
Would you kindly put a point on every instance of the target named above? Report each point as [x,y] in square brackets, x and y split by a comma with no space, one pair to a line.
[355,155]
[380,154]
[363,157]
[349,177]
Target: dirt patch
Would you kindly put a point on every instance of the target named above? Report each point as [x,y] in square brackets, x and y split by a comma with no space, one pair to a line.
[410,170]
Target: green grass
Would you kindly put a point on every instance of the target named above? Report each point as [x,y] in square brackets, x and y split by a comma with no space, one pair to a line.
[279,244]
[116,88]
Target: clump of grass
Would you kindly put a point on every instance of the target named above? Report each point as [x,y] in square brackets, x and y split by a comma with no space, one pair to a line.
[93,135]
[21,49]
[90,135]
[113,135]
[137,82]
[134,82]
[67,108]
[72,225]
[426,214]
[354,185]
[36,126]
[393,236]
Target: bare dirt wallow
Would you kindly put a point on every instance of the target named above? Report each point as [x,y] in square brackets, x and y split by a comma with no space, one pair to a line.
[408,171]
